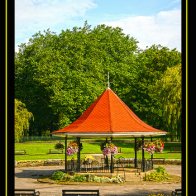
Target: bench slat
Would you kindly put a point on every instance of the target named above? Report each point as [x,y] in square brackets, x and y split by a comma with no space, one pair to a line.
[20,152]
[25,192]
[80,192]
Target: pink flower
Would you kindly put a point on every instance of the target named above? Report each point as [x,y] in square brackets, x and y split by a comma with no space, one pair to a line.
[72,148]
[153,147]
[110,148]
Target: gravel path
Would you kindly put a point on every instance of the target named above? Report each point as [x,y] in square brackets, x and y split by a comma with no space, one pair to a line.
[26,177]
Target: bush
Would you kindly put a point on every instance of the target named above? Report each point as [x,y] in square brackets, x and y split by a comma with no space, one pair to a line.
[57,175]
[79,178]
[59,146]
[158,175]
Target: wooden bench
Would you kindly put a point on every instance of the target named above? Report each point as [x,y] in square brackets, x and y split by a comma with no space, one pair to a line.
[177,192]
[80,192]
[26,192]
[55,151]
[20,152]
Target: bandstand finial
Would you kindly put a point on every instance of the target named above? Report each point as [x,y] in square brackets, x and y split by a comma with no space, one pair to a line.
[108,79]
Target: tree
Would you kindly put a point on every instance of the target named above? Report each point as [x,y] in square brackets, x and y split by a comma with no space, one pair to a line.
[59,76]
[21,119]
[151,65]
[169,94]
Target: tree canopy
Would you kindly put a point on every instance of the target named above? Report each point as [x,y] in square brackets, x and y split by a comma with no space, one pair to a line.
[169,95]
[59,76]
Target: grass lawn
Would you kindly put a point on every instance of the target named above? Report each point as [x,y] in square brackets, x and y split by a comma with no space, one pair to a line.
[39,150]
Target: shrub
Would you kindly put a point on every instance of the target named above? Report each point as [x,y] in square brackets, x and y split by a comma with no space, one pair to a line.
[158,175]
[90,177]
[57,175]
[59,146]
[79,178]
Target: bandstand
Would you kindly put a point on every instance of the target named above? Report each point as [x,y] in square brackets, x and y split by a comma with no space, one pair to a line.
[108,117]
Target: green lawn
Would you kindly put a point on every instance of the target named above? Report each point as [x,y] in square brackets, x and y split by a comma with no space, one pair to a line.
[39,150]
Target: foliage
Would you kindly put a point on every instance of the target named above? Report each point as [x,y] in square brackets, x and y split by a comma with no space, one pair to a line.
[158,175]
[151,66]
[67,72]
[170,98]
[59,76]
[21,120]
[59,175]
[59,145]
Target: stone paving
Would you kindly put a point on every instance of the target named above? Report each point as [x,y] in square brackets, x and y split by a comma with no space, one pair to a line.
[26,177]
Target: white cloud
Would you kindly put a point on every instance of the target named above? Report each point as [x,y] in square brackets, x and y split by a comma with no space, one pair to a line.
[48,11]
[163,28]
[32,16]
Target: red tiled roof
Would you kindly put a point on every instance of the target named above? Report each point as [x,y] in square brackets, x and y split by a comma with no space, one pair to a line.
[109,115]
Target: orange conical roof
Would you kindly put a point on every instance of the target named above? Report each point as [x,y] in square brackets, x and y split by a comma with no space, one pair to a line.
[109,116]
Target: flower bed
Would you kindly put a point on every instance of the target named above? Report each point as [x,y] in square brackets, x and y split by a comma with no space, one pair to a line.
[65,177]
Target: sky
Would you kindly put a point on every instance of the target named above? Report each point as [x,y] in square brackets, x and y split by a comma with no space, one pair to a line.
[148,21]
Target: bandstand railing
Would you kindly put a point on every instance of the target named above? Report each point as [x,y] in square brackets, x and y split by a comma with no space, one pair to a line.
[102,167]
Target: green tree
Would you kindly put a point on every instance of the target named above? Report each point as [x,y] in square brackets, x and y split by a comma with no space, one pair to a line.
[169,95]
[21,120]
[59,76]
[151,66]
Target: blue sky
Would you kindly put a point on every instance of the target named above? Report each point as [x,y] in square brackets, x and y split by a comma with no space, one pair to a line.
[148,21]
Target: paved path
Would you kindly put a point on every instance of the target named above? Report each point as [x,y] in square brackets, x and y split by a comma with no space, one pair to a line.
[26,177]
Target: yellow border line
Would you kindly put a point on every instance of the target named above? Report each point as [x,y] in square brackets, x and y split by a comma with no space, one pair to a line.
[6,98]
[186,97]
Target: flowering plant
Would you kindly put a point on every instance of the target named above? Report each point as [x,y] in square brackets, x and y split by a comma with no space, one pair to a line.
[152,147]
[109,148]
[149,147]
[159,146]
[72,148]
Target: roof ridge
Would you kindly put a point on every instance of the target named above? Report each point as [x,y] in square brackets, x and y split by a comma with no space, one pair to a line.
[110,116]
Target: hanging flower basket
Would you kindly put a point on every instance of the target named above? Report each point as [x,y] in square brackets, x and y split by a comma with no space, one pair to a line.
[149,147]
[108,148]
[72,148]
[152,147]
[159,146]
